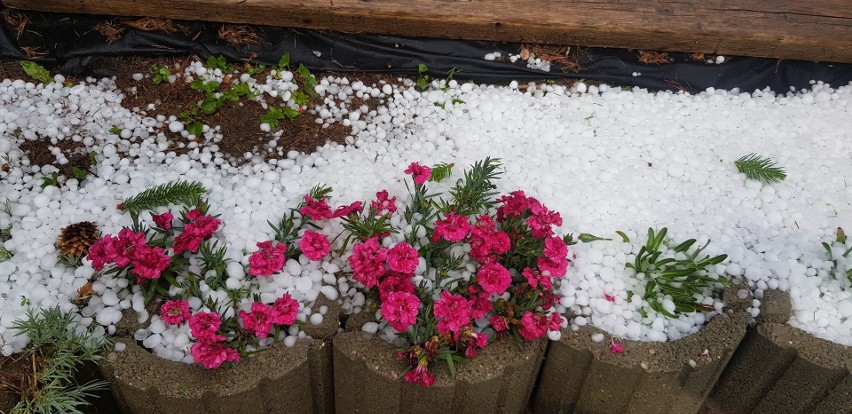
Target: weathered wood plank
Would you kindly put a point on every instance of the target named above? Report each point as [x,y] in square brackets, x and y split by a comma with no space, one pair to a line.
[786,29]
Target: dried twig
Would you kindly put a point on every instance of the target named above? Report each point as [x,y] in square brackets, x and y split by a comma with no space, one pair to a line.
[16,20]
[110,30]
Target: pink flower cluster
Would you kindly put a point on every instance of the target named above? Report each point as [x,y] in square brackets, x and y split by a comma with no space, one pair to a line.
[211,348]
[130,249]
[535,325]
[391,270]
[382,204]
[197,228]
[263,317]
[318,209]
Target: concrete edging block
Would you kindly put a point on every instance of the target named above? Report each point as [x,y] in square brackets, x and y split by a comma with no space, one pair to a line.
[499,380]
[580,375]
[278,380]
[783,369]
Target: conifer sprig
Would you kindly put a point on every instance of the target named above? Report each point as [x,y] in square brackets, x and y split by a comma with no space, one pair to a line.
[187,193]
[760,168]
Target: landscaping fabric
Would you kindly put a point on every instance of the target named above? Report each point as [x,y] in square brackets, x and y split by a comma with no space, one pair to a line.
[77,42]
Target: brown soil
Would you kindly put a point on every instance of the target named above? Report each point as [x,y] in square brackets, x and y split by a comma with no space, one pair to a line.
[239,122]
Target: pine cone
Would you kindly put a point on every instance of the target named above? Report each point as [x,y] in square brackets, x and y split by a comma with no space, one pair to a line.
[76,239]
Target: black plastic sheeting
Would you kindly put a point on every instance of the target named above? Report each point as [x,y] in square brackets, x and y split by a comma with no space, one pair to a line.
[70,42]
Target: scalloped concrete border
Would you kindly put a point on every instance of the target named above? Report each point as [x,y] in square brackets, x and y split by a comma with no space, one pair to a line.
[499,380]
[582,376]
[278,380]
[782,369]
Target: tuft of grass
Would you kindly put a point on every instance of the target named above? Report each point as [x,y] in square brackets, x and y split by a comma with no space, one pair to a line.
[757,167]
[58,346]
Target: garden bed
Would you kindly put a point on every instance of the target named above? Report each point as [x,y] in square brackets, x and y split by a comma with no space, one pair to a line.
[590,151]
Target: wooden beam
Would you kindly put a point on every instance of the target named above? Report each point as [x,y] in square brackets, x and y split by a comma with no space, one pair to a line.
[785,29]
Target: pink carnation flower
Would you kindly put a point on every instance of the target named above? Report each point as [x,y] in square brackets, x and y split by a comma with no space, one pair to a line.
[400,310]
[259,320]
[175,311]
[122,250]
[452,228]
[163,221]
[101,252]
[554,258]
[498,323]
[615,347]
[314,245]
[420,173]
[535,278]
[205,325]
[149,262]
[453,312]
[383,204]
[395,282]
[213,354]
[285,310]
[554,322]
[533,326]
[344,211]
[420,375]
[368,262]
[514,205]
[481,304]
[609,298]
[268,260]
[403,258]
[493,278]
[199,227]
[542,219]
[316,209]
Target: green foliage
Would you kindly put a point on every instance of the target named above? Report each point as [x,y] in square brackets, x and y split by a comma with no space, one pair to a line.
[161,74]
[441,172]
[219,62]
[276,114]
[309,81]
[283,63]
[58,346]
[194,127]
[187,193]
[588,238]
[79,173]
[36,71]
[206,87]
[681,279]
[422,81]
[255,70]
[476,191]
[760,168]
[836,271]
[115,130]
[50,180]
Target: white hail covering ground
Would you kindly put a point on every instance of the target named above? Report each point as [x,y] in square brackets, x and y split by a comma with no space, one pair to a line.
[606,158]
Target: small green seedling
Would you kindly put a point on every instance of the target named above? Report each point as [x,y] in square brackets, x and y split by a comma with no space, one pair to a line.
[422,77]
[219,62]
[161,74]
[276,114]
